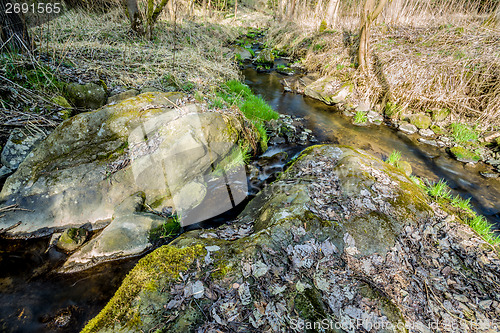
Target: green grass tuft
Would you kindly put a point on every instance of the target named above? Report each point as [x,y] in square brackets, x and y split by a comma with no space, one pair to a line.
[360,117]
[394,158]
[463,204]
[463,133]
[484,229]
[439,190]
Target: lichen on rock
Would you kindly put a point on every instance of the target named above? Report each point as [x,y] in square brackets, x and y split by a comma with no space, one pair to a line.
[341,238]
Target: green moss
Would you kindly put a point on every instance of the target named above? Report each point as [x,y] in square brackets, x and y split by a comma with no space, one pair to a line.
[438,130]
[440,114]
[323,26]
[222,269]
[464,155]
[421,121]
[309,305]
[164,264]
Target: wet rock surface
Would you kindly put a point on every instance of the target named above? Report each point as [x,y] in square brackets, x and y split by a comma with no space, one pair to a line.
[340,237]
[89,171]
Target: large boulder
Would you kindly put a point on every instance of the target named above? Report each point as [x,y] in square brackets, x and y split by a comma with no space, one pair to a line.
[341,240]
[93,161]
[329,90]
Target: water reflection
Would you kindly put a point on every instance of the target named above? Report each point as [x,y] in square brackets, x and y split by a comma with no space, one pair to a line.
[427,161]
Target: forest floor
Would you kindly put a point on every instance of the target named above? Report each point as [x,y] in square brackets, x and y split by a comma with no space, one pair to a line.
[189,55]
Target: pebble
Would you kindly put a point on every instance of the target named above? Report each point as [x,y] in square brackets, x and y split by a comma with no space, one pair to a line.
[486,304]
[489,174]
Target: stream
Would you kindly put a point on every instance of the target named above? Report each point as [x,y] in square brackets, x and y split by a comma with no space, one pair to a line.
[331,126]
[33,302]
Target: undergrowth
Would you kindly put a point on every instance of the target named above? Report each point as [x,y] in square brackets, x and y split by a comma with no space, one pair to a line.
[414,67]
[254,108]
[442,193]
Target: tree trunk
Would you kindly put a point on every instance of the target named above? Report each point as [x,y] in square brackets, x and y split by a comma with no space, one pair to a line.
[369,14]
[235,8]
[291,9]
[331,12]
[134,15]
[13,32]
[319,9]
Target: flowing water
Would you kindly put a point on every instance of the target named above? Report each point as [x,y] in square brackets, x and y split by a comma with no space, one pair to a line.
[31,297]
[330,125]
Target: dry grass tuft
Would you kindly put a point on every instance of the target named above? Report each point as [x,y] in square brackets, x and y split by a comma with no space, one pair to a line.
[104,46]
[418,68]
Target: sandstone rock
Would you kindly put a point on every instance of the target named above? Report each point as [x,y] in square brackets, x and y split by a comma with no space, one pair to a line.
[89,95]
[439,115]
[122,96]
[407,128]
[421,120]
[125,236]
[335,224]
[93,161]
[19,145]
[329,90]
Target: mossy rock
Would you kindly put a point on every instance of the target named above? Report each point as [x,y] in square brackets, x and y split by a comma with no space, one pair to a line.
[438,130]
[439,115]
[334,257]
[392,110]
[464,155]
[421,120]
[90,95]
[329,90]
[265,57]
[61,101]
[405,167]
[70,173]
[71,239]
